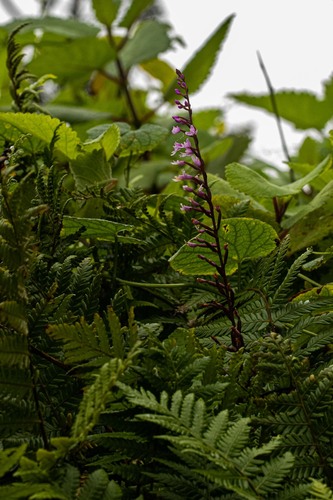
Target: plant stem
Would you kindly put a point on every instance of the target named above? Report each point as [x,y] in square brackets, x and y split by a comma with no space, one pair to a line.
[276,112]
[123,80]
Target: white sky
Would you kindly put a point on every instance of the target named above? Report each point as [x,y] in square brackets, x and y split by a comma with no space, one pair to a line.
[294,38]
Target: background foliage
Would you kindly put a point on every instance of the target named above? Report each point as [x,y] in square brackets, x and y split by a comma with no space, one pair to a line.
[120,377]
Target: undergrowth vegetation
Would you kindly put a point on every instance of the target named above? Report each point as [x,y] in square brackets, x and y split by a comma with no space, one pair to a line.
[158,339]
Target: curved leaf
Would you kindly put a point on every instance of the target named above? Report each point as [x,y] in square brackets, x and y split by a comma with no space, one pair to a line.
[251,182]
[43,127]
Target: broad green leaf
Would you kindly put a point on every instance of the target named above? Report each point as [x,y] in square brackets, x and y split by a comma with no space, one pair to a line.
[43,127]
[303,109]
[198,69]
[246,239]
[150,39]
[323,198]
[251,182]
[144,139]
[106,10]
[136,8]
[108,141]
[68,28]
[73,59]
[91,169]
[99,229]
[76,114]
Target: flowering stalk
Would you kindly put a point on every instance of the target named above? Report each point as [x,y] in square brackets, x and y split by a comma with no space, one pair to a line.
[189,155]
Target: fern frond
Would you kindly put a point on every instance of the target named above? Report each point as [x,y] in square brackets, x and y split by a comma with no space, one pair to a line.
[319,491]
[97,395]
[283,291]
[98,487]
[83,343]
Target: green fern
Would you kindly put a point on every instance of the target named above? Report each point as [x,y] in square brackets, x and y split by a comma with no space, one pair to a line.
[98,394]
[223,444]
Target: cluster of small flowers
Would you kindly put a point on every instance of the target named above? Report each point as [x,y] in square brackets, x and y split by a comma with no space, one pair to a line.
[189,155]
[188,151]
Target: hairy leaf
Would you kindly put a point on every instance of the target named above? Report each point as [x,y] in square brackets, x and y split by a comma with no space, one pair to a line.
[43,127]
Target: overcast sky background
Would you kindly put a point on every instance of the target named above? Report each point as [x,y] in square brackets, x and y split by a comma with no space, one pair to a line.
[294,38]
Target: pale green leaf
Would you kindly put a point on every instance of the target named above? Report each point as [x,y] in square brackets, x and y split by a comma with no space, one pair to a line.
[254,184]
[150,39]
[246,239]
[43,127]
[144,139]
[199,67]
[303,109]
[108,141]
[106,10]
[73,59]
[99,229]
